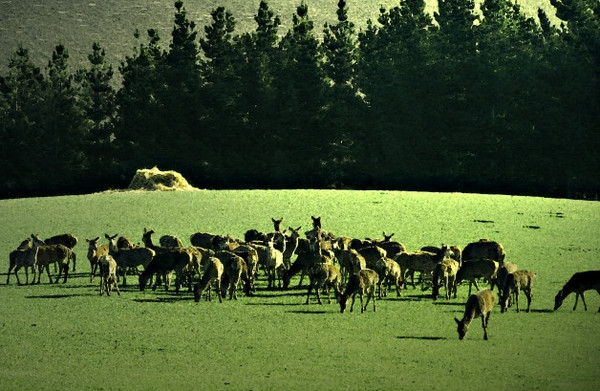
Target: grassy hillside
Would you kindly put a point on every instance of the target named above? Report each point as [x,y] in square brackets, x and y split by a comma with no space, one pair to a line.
[41,25]
[67,336]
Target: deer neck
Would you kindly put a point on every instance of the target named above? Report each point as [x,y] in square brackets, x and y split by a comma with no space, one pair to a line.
[469,316]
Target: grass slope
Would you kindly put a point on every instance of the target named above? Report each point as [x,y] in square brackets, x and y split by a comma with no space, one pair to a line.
[41,25]
[67,337]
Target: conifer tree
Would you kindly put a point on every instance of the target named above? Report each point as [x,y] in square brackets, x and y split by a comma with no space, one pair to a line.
[140,116]
[23,91]
[395,76]
[182,98]
[340,56]
[299,86]
[256,106]
[97,97]
[220,91]
[62,131]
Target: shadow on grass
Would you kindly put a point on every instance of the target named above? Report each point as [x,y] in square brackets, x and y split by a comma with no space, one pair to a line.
[406,297]
[63,296]
[423,338]
[167,299]
[272,303]
[273,294]
[307,312]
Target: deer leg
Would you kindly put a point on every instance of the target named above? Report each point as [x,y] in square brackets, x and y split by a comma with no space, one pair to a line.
[412,278]
[308,293]
[362,308]
[48,271]
[8,274]
[317,289]
[583,300]
[529,295]
[16,275]
[484,319]
[373,297]
[352,304]
[66,267]
[60,271]
[233,290]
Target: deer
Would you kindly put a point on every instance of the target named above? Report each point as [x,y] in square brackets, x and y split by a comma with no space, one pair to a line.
[478,304]
[578,283]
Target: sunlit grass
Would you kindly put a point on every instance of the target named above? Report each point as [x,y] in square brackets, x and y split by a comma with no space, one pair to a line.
[57,336]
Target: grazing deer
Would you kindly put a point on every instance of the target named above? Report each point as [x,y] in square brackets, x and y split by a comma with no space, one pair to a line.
[213,272]
[478,304]
[578,283]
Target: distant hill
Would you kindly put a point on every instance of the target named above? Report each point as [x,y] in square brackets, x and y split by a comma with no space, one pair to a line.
[40,25]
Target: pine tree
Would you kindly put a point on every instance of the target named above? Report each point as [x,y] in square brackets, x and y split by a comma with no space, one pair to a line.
[256,106]
[182,99]
[220,93]
[97,97]
[580,77]
[340,56]
[23,92]
[140,119]
[63,129]
[339,45]
[395,77]
[299,85]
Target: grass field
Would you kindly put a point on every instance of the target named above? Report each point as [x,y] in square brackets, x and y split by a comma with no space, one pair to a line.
[68,337]
[41,25]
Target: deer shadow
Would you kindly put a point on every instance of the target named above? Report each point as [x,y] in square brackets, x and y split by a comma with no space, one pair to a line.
[422,338]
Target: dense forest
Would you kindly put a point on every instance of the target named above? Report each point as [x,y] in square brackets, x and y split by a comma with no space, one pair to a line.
[461,100]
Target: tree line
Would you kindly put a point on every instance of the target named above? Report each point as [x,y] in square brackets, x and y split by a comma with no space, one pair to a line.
[455,101]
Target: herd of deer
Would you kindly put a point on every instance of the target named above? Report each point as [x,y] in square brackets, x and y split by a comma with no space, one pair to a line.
[348,266]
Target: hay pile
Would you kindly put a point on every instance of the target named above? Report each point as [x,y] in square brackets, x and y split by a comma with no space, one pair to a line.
[155,179]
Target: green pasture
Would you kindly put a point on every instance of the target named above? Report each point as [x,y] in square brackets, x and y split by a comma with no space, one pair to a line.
[66,336]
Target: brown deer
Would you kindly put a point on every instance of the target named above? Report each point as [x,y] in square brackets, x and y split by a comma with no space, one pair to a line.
[478,304]
[363,282]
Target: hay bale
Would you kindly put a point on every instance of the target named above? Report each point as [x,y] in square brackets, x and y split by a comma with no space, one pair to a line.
[155,179]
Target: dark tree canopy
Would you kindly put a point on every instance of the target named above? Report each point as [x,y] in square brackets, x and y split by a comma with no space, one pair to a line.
[466,99]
